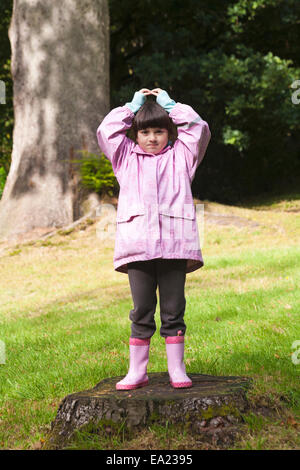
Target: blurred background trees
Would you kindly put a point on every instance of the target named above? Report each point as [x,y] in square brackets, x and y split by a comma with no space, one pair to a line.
[234,62]
[6,111]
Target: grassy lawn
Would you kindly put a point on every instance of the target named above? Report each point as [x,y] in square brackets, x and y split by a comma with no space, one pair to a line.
[64,322]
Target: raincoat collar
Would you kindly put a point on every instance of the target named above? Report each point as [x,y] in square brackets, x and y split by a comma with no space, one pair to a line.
[138,149]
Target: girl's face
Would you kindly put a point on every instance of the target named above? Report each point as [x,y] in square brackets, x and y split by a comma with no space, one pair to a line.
[152,139]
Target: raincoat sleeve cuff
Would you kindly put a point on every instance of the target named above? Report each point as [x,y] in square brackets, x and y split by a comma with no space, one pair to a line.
[164,100]
[137,101]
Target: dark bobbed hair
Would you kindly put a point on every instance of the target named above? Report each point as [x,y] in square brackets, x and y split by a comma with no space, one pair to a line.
[151,114]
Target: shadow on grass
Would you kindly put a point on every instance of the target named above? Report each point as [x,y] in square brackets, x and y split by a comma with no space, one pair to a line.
[269,199]
[283,261]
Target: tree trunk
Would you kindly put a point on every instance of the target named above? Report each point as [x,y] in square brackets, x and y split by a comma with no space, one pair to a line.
[60,70]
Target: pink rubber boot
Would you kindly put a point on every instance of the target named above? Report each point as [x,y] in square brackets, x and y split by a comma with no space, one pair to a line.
[176,367]
[137,374]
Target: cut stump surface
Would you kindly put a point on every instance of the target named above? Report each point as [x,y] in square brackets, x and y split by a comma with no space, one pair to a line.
[213,403]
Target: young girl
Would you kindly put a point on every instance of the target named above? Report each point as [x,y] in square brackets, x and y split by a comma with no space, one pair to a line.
[157,240]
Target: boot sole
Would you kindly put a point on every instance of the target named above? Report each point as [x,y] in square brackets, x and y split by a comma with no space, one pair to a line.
[132,386]
[181,384]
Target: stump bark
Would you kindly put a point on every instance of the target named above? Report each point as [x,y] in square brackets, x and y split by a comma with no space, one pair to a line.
[214,407]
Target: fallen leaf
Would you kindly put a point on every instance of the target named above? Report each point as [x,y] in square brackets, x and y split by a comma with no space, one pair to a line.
[37,445]
[292,422]
[277,329]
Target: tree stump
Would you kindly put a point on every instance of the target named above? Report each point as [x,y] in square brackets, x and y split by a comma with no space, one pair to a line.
[214,407]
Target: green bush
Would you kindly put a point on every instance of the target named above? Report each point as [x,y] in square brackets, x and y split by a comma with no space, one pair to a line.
[2,180]
[96,173]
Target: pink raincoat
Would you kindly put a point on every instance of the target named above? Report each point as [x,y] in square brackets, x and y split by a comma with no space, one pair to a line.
[156,216]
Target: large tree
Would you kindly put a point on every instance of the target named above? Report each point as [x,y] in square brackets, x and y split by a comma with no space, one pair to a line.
[60,71]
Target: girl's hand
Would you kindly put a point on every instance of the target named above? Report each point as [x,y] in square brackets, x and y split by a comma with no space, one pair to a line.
[156,91]
[163,99]
[138,100]
[145,91]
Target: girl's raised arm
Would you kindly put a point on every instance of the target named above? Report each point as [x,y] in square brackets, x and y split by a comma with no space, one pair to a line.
[193,135]
[111,135]
[193,132]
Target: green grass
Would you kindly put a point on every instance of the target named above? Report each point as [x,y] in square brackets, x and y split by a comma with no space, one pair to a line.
[64,322]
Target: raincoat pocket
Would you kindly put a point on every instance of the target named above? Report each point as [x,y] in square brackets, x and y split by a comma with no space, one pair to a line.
[126,215]
[131,223]
[184,212]
[178,222]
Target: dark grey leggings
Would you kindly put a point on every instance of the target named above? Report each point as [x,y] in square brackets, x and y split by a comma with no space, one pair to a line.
[144,276]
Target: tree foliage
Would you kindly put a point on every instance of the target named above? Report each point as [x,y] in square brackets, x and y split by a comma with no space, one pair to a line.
[234,62]
[6,110]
